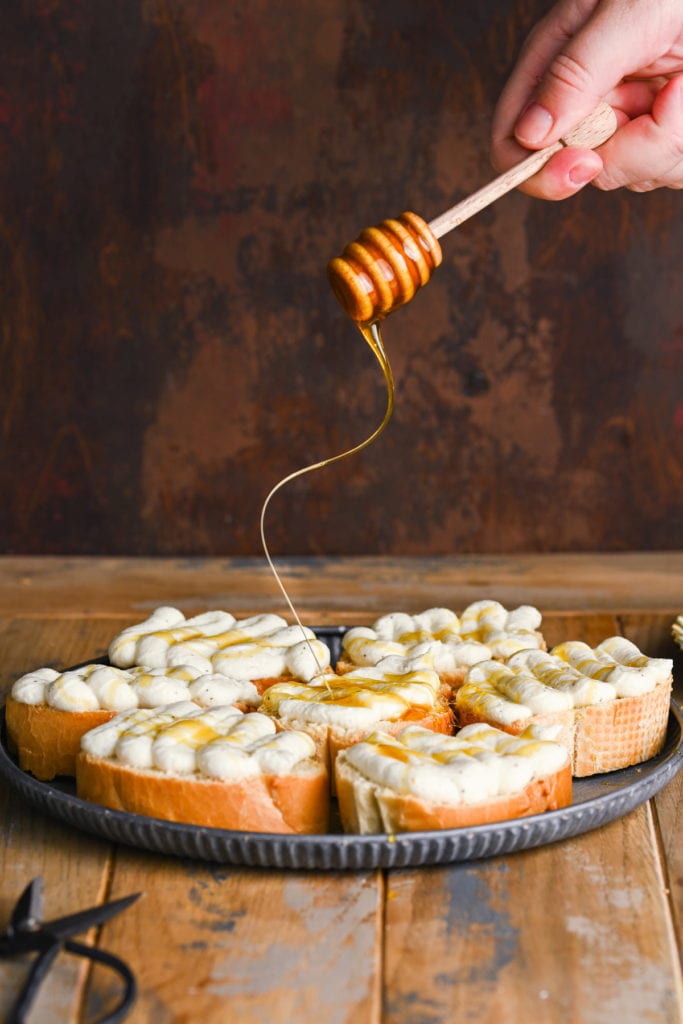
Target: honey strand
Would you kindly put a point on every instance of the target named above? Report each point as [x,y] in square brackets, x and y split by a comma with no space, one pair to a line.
[373,337]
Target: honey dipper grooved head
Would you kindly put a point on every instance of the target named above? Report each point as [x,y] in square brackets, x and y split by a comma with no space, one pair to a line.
[384,267]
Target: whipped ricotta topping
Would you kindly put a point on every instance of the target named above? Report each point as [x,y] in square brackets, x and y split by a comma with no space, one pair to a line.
[507,695]
[616,661]
[90,688]
[529,683]
[215,689]
[432,624]
[504,632]
[363,646]
[281,652]
[182,739]
[358,699]
[259,647]
[148,643]
[106,688]
[479,764]
[447,643]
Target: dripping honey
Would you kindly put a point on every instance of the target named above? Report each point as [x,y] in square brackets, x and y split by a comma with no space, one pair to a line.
[371,334]
[379,272]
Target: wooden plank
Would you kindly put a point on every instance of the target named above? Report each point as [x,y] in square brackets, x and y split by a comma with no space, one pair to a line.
[341,590]
[74,866]
[668,810]
[75,869]
[591,629]
[299,942]
[283,946]
[576,931]
[652,633]
[274,947]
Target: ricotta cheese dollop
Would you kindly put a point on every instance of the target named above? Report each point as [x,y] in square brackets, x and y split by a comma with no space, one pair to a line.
[104,687]
[479,764]
[445,641]
[182,739]
[357,699]
[260,647]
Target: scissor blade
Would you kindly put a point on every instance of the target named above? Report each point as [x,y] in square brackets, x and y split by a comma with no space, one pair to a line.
[74,924]
[28,910]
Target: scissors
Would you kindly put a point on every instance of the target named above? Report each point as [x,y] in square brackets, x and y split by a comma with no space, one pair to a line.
[28,933]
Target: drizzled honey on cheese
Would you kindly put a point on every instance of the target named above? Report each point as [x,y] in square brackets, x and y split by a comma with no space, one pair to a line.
[104,687]
[445,641]
[359,699]
[85,689]
[611,702]
[618,662]
[573,675]
[372,335]
[184,739]
[481,763]
[263,646]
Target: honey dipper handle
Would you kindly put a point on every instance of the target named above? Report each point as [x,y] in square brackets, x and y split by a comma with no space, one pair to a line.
[588,134]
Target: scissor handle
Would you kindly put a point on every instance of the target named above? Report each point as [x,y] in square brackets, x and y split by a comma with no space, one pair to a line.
[39,968]
[115,964]
[41,965]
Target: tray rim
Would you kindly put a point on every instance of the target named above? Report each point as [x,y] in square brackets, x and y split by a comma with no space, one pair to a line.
[339,851]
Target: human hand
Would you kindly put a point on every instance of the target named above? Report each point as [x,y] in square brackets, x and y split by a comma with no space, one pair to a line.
[627,52]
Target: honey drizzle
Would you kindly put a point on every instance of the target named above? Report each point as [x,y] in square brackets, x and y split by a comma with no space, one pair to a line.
[373,337]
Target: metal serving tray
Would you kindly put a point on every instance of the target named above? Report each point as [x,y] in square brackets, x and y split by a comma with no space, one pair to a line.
[596,801]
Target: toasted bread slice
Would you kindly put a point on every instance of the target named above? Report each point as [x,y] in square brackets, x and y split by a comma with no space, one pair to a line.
[217,768]
[49,711]
[612,702]
[46,740]
[418,780]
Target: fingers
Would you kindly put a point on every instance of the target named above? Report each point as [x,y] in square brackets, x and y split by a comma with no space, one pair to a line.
[635,97]
[545,40]
[583,51]
[647,152]
[565,174]
[603,51]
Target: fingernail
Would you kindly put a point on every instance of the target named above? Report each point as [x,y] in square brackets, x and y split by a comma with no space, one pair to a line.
[534,124]
[581,174]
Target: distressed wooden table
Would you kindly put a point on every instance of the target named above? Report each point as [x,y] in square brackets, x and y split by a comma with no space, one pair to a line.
[587,930]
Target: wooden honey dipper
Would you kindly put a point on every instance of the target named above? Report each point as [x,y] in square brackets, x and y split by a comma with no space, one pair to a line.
[386,265]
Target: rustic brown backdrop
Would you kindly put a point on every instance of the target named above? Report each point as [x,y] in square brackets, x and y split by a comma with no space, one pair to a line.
[174,176]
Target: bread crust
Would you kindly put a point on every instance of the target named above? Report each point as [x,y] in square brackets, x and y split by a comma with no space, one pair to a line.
[263,684]
[296,803]
[344,665]
[394,812]
[626,731]
[602,737]
[47,740]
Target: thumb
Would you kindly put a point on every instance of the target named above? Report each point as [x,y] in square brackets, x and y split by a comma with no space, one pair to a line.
[604,50]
